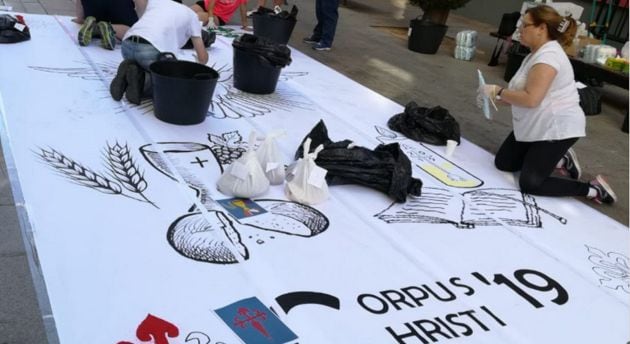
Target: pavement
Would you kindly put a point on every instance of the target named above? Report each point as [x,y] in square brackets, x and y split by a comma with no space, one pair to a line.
[370,47]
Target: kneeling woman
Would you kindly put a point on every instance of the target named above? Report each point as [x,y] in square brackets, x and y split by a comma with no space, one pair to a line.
[546,114]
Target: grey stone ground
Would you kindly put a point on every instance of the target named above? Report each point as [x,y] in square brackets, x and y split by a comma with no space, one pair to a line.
[374,56]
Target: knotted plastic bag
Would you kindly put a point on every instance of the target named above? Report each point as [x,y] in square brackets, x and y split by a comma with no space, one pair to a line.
[306,182]
[431,125]
[244,177]
[270,158]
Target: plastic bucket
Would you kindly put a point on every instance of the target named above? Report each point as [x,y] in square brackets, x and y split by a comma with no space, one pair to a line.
[182,91]
[254,74]
[425,37]
[273,28]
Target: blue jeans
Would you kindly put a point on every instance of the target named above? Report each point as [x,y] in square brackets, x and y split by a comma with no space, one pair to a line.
[327,14]
[144,54]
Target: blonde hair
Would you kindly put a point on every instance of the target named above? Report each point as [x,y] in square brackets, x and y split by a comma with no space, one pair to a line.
[559,28]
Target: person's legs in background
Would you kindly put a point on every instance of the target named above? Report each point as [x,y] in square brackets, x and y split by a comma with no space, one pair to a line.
[317,31]
[329,14]
[132,78]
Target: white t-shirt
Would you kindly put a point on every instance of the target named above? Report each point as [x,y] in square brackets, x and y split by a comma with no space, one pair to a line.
[167,25]
[559,115]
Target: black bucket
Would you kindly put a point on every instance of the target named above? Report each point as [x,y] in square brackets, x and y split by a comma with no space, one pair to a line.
[274,28]
[254,74]
[182,91]
[425,37]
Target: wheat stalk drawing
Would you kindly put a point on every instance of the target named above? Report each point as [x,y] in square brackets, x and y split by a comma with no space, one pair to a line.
[78,173]
[84,176]
[124,169]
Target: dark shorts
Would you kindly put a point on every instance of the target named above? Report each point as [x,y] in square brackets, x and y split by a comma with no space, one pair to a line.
[202,4]
[113,11]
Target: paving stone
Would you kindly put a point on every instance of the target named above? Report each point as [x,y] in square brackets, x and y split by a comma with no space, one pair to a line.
[11,241]
[34,8]
[20,319]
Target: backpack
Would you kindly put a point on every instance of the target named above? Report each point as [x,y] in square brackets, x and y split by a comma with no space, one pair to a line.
[13,30]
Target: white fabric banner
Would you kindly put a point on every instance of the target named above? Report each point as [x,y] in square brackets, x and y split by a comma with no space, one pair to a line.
[136,246]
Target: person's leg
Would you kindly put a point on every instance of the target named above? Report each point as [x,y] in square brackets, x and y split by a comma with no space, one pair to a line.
[511,154]
[540,161]
[120,30]
[329,17]
[317,31]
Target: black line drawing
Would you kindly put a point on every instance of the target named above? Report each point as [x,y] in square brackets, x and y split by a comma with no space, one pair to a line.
[289,300]
[613,268]
[124,172]
[199,338]
[227,102]
[228,146]
[208,236]
[482,207]
[430,161]
[123,168]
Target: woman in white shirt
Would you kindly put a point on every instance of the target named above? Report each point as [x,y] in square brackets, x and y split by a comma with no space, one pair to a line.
[546,114]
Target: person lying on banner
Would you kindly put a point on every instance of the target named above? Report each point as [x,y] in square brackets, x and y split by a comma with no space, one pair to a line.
[220,11]
[111,19]
[164,26]
[546,114]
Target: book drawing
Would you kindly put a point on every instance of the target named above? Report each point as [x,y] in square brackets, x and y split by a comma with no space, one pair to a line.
[481,207]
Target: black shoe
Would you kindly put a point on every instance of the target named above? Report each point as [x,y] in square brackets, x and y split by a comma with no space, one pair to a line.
[571,165]
[310,40]
[85,32]
[108,35]
[135,83]
[605,193]
[119,83]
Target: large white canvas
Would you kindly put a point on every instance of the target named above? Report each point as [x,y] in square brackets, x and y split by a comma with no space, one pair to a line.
[109,263]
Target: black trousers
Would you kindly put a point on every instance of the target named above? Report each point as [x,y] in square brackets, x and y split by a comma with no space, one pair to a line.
[536,161]
[113,11]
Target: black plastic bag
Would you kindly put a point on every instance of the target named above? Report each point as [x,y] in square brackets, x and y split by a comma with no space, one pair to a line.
[275,54]
[292,15]
[207,37]
[431,125]
[13,30]
[590,100]
[386,168]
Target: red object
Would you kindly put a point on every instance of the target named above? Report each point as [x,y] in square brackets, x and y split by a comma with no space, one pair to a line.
[20,19]
[156,330]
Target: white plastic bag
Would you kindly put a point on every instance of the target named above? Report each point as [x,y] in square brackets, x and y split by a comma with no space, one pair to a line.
[244,177]
[270,158]
[306,182]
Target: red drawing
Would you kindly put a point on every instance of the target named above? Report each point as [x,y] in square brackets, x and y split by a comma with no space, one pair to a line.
[247,318]
[155,330]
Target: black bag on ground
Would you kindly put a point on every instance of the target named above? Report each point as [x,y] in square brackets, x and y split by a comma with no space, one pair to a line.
[207,37]
[276,54]
[386,168]
[431,125]
[13,30]
[590,100]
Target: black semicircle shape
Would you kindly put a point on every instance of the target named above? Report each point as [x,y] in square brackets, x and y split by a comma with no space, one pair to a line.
[289,300]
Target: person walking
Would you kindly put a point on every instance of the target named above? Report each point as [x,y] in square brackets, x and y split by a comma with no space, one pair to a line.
[546,114]
[327,13]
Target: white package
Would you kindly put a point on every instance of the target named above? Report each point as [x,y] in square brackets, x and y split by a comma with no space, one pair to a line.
[244,177]
[306,182]
[270,158]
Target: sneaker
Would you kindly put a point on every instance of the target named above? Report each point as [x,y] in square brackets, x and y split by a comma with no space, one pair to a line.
[310,40]
[135,83]
[85,32]
[321,47]
[571,165]
[119,83]
[108,35]
[605,193]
